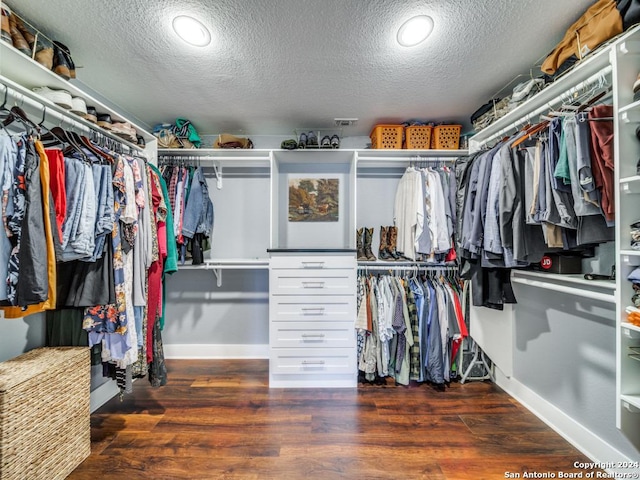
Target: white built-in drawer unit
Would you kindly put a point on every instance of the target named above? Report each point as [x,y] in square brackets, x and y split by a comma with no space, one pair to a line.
[312,312]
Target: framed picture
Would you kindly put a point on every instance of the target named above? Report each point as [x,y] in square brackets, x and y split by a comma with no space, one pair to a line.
[314,199]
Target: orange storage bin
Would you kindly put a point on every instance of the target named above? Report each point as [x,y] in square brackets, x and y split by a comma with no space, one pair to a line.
[418,137]
[446,137]
[387,136]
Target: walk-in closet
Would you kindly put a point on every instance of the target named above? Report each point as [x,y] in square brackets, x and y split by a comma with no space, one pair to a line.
[324,239]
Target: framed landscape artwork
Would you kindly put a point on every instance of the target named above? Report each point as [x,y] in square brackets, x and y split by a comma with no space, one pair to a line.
[313,199]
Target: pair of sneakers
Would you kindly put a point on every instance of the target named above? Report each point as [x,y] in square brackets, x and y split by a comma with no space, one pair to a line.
[330,142]
[308,140]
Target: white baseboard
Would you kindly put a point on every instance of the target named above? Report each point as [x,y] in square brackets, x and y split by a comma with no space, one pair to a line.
[575,433]
[211,351]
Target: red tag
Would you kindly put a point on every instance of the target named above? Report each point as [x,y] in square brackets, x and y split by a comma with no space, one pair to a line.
[546,262]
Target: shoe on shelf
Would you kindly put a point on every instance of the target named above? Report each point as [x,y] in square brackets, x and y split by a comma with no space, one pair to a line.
[44,57]
[59,97]
[104,121]
[62,63]
[78,106]
[312,139]
[335,141]
[125,130]
[91,115]
[325,142]
[6,27]
[302,143]
[140,141]
[26,32]
[17,38]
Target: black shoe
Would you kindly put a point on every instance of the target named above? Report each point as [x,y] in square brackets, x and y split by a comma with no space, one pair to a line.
[62,56]
[335,141]
[325,142]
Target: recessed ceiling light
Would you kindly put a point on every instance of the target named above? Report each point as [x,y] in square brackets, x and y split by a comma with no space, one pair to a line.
[191,31]
[415,30]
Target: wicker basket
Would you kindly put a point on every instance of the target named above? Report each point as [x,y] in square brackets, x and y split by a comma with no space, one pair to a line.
[44,413]
[417,137]
[387,136]
[446,137]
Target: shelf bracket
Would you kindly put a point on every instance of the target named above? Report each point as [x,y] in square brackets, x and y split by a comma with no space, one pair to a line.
[630,408]
[217,272]
[218,172]
[630,47]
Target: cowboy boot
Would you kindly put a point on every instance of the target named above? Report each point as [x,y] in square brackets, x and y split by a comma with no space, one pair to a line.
[368,238]
[360,248]
[392,239]
[6,28]
[16,37]
[383,251]
[26,33]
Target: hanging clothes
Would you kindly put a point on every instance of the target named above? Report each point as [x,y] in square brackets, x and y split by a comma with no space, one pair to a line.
[411,327]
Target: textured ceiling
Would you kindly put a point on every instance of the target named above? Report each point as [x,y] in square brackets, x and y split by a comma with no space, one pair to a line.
[277,65]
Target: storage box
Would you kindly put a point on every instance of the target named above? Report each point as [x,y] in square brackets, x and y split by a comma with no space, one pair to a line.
[417,137]
[44,413]
[387,136]
[559,263]
[446,137]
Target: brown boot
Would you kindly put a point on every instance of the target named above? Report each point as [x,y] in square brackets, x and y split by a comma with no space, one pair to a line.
[25,31]
[16,37]
[392,239]
[368,238]
[383,251]
[359,245]
[44,57]
[6,28]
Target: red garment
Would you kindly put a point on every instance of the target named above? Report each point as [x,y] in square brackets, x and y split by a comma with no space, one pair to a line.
[154,277]
[58,189]
[464,333]
[602,162]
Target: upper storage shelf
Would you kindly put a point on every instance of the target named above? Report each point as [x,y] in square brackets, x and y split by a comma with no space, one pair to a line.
[28,73]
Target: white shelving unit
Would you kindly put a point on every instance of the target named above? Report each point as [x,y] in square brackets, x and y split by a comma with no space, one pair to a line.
[625,57]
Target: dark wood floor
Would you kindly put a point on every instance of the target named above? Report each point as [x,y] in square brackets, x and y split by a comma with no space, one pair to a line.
[218,419]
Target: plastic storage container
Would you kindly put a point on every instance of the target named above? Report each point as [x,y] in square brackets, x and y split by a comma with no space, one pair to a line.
[387,136]
[418,137]
[446,137]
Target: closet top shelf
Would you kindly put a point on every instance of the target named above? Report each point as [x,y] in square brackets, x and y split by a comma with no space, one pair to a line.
[596,63]
[16,66]
[573,279]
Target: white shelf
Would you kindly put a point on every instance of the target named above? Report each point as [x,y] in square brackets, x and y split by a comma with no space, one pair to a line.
[630,326]
[631,107]
[633,400]
[571,279]
[21,69]
[221,156]
[630,184]
[229,264]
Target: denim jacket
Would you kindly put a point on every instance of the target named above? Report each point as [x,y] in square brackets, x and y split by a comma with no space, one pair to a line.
[198,213]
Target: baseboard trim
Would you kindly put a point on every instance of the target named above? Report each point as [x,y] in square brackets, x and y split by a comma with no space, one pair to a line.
[580,437]
[213,351]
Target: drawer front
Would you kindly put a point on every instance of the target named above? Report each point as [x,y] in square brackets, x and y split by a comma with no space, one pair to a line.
[312,334]
[320,262]
[312,361]
[304,308]
[312,282]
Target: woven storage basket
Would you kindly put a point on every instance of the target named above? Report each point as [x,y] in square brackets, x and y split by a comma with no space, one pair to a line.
[418,137]
[44,413]
[387,136]
[446,137]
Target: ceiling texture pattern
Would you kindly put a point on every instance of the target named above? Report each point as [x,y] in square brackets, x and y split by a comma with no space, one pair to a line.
[277,65]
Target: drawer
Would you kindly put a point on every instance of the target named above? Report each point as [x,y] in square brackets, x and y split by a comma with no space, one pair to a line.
[320,262]
[312,334]
[312,282]
[304,308]
[312,361]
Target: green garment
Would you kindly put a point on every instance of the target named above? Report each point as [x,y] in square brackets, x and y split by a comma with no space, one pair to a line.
[171,262]
[193,134]
[562,168]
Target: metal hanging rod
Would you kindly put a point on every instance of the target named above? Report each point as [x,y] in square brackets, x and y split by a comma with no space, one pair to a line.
[409,267]
[55,114]
[597,79]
